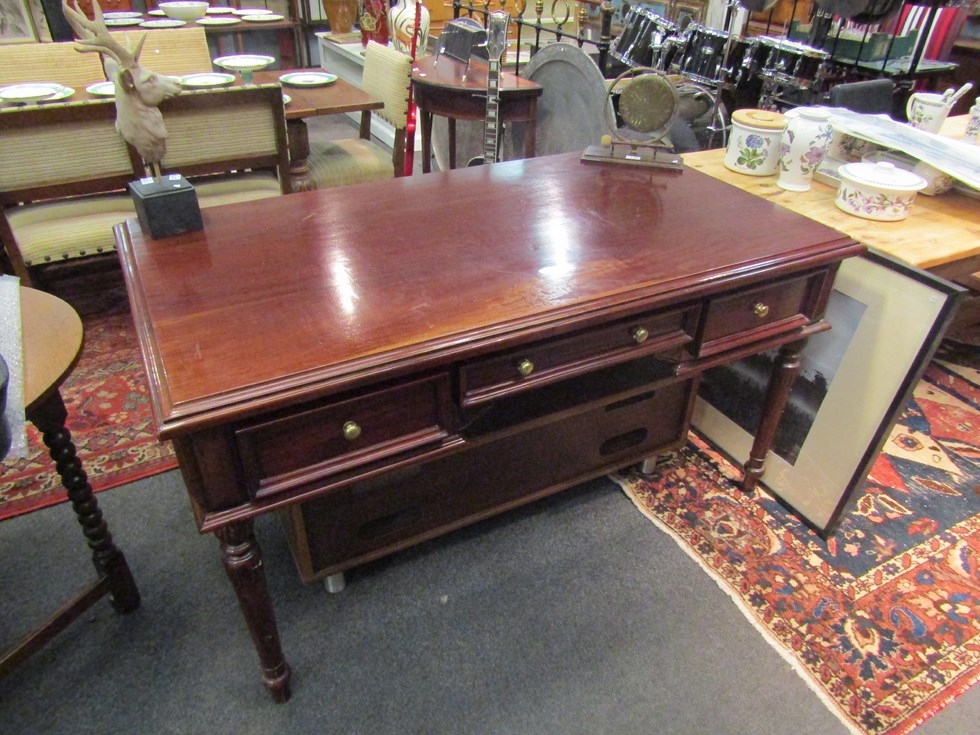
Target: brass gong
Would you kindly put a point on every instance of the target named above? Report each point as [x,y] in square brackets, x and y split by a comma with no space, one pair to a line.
[642,105]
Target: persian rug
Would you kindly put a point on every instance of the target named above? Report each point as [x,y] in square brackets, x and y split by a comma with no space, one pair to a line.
[882,620]
[108,409]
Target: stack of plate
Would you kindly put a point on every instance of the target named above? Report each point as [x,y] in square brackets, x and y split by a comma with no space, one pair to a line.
[34,92]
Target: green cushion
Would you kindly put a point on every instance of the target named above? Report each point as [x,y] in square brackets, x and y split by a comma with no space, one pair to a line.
[349,161]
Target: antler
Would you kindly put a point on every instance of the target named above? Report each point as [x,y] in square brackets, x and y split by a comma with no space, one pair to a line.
[93,35]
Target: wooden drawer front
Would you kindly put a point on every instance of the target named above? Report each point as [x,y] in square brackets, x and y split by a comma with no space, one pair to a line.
[381,515]
[557,359]
[740,318]
[284,452]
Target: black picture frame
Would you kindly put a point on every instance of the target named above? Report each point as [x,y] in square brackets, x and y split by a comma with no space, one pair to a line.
[854,384]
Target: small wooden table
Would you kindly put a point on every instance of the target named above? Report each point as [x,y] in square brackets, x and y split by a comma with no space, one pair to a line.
[52,336]
[941,235]
[458,91]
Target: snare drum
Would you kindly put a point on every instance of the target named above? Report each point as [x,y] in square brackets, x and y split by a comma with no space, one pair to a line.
[642,42]
[703,54]
[790,62]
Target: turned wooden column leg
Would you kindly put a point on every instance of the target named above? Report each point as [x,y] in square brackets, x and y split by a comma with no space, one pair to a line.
[298,139]
[242,558]
[784,374]
[426,118]
[50,416]
[451,126]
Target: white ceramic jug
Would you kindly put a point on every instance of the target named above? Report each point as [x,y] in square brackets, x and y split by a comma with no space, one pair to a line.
[927,111]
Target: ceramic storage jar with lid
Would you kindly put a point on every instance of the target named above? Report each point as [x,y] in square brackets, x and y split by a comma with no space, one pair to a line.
[753,145]
[878,191]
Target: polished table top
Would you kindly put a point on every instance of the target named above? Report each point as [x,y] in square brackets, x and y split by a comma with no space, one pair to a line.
[942,233]
[228,326]
[448,73]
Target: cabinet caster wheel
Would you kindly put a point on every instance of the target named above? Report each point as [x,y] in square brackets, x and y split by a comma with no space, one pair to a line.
[335,583]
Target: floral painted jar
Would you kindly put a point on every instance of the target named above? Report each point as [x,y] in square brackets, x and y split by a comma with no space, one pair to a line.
[753,144]
[804,144]
[878,191]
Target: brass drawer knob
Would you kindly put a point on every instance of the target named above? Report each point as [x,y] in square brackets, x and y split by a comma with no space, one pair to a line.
[640,335]
[525,367]
[351,430]
[760,310]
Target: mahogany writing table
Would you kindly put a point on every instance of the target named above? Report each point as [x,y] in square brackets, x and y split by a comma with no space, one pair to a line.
[319,353]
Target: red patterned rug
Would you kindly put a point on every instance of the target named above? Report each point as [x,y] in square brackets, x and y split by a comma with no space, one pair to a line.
[108,409]
[882,620]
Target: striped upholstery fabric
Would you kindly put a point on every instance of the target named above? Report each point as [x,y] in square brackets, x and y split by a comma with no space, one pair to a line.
[72,228]
[49,62]
[174,51]
[348,161]
[387,75]
[202,135]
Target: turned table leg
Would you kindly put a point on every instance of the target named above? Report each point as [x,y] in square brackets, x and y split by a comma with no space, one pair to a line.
[242,558]
[784,374]
[50,415]
[426,120]
[298,139]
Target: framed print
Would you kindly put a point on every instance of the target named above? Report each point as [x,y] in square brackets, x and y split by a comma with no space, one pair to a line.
[16,23]
[887,320]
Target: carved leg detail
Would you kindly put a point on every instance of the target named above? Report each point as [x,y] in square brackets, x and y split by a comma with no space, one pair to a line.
[50,417]
[242,558]
[784,374]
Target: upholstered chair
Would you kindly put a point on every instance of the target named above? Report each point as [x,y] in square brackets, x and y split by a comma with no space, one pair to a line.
[58,165]
[387,75]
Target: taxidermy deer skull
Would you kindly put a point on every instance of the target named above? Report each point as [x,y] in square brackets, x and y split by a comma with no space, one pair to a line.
[138,90]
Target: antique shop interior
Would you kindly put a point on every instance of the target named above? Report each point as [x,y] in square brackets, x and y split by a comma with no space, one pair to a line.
[490,366]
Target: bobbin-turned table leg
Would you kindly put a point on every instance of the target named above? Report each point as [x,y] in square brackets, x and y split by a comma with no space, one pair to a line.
[50,415]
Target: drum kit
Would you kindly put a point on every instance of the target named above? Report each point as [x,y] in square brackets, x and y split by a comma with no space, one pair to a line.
[746,71]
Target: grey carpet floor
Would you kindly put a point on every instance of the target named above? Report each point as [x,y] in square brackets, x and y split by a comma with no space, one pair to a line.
[573,615]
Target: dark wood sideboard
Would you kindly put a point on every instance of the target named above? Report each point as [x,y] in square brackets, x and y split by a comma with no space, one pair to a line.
[387,362]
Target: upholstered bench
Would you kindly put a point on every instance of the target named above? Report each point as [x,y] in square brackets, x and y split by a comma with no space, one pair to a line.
[64,168]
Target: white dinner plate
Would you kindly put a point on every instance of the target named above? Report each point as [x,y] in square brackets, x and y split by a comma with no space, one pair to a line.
[263,18]
[163,23]
[102,89]
[118,22]
[244,62]
[308,78]
[251,11]
[121,14]
[225,20]
[158,13]
[207,79]
[35,92]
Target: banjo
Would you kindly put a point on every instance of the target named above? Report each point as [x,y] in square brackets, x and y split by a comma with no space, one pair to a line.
[496,45]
